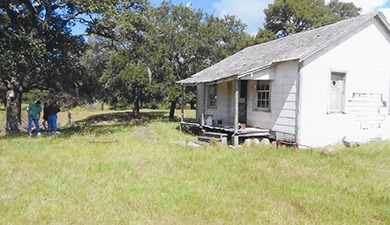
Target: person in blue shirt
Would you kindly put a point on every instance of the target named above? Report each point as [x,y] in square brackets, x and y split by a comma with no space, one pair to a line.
[33,114]
[281,34]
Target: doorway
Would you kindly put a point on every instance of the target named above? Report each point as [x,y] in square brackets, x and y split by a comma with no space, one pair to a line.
[337,93]
[242,104]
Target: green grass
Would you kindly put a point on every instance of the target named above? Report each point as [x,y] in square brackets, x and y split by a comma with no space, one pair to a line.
[135,172]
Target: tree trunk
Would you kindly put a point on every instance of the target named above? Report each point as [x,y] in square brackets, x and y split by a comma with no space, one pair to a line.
[172,111]
[136,107]
[192,103]
[13,122]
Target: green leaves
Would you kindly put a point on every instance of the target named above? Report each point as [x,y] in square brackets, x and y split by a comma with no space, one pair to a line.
[146,50]
[298,15]
[38,51]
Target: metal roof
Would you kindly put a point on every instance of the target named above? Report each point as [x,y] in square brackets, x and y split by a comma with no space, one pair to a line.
[293,47]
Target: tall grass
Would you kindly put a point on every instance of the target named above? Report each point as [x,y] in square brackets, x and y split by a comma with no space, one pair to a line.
[137,172]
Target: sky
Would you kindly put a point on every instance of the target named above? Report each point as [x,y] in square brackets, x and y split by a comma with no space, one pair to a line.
[251,11]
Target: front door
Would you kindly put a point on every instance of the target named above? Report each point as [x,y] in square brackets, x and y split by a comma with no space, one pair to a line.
[242,101]
[337,93]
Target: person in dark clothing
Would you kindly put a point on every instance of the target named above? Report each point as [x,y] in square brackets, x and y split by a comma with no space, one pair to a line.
[52,111]
[45,116]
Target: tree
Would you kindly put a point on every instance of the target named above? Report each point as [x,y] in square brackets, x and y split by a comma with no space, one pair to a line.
[298,15]
[189,41]
[95,60]
[343,9]
[37,51]
[261,37]
[152,48]
[119,54]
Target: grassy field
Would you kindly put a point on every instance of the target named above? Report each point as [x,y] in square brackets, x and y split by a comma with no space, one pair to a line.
[108,169]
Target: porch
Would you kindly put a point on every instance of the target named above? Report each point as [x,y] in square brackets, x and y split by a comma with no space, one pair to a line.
[246,132]
[231,101]
[226,134]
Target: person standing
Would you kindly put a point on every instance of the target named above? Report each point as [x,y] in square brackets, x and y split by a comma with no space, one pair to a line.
[45,116]
[52,111]
[69,118]
[33,114]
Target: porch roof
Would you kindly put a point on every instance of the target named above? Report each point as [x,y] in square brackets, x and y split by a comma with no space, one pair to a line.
[293,47]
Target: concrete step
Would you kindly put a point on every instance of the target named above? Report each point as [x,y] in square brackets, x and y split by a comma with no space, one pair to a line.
[215,134]
[201,143]
[208,139]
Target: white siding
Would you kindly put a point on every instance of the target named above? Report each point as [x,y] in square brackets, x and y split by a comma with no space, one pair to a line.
[266,74]
[281,118]
[364,57]
[225,103]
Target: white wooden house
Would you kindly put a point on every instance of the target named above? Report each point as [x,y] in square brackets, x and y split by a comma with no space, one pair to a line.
[312,88]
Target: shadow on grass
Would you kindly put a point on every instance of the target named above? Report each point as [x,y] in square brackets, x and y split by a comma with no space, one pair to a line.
[104,123]
[113,122]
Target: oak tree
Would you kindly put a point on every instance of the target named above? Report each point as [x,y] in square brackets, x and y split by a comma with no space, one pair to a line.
[36,51]
[295,16]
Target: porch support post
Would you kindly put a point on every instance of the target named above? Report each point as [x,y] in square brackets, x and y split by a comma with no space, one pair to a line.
[182,104]
[236,96]
[202,122]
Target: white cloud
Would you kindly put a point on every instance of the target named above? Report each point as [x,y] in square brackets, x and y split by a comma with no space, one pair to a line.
[189,4]
[249,11]
[371,5]
[366,5]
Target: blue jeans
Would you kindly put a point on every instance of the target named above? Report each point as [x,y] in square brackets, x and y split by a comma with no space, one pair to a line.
[36,122]
[52,119]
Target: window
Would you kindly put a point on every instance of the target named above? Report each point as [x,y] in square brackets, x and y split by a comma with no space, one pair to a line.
[263,89]
[336,93]
[213,95]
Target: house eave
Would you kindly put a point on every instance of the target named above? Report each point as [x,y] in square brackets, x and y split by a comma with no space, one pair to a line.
[220,80]
[249,74]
